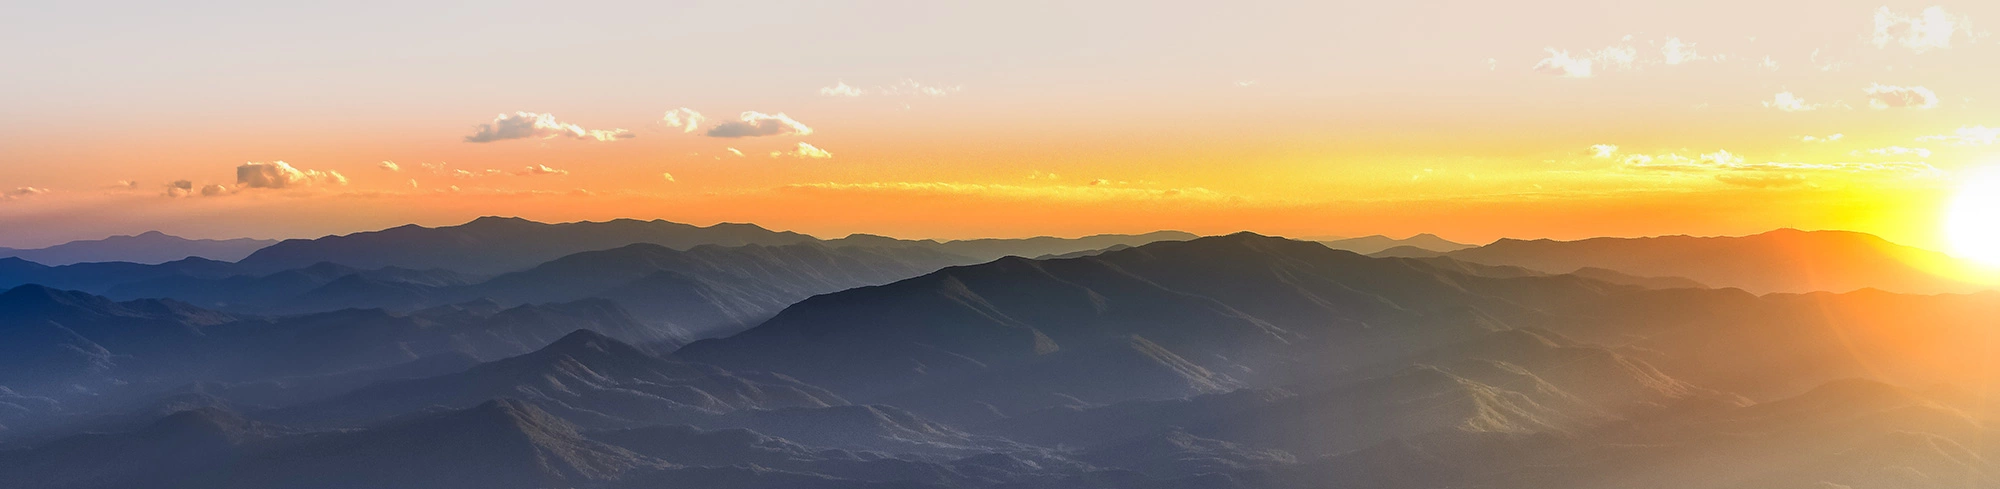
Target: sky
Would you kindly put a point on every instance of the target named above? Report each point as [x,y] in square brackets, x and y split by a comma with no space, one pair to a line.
[1471,120]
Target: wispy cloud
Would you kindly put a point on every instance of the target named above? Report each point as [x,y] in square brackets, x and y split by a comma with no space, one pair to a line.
[278,174]
[1925,31]
[1762,180]
[541,170]
[1887,96]
[904,87]
[1674,51]
[1560,63]
[1013,192]
[1968,136]
[1787,102]
[1603,150]
[1892,151]
[22,192]
[840,89]
[753,124]
[804,150]
[1822,139]
[531,125]
[390,165]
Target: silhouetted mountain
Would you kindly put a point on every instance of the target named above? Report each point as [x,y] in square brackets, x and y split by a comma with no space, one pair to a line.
[491,245]
[1779,261]
[147,248]
[1369,245]
[101,277]
[992,248]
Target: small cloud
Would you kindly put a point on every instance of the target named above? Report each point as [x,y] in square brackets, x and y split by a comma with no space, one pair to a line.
[126,185]
[390,165]
[1245,83]
[1786,102]
[1492,64]
[684,118]
[1968,136]
[1603,150]
[413,183]
[912,87]
[753,124]
[1037,175]
[1931,29]
[541,170]
[214,189]
[22,193]
[1887,96]
[840,89]
[278,174]
[1099,181]
[734,151]
[180,188]
[526,125]
[1822,139]
[668,176]
[1561,64]
[1768,64]
[1675,51]
[804,150]
[1760,180]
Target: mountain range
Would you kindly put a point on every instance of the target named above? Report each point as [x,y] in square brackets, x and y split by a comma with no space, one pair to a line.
[1237,361]
[151,247]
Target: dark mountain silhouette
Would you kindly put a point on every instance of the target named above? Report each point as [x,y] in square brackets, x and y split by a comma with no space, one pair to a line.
[1779,261]
[150,247]
[1368,245]
[100,277]
[986,249]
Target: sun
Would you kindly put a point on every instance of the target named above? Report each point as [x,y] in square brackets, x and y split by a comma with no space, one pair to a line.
[1973,223]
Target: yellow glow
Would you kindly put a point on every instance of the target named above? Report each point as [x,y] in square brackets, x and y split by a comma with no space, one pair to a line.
[1973,223]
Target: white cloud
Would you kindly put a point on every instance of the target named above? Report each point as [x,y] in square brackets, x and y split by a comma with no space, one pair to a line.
[525,125]
[1252,83]
[684,118]
[1969,136]
[1822,139]
[753,124]
[22,192]
[840,89]
[1886,96]
[278,174]
[1931,29]
[1785,101]
[390,165]
[804,150]
[214,189]
[1675,51]
[541,170]
[1603,150]
[1560,63]
[734,151]
[668,176]
[1893,151]
[1769,64]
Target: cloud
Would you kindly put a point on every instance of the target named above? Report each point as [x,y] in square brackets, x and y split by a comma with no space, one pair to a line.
[1675,51]
[668,176]
[804,150]
[1822,139]
[1931,29]
[912,87]
[684,118]
[22,193]
[1561,64]
[1768,64]
[390,165]
[1968,136]
[541,170]
[214,189]
[1786,102]
[180,188]
[1603,150]
[753,124]
[840,89]
[1886,96]
[1723,161]
[734,151]
[526,125]
[1893,151]
[1762,180]
[278,174]
[126,185]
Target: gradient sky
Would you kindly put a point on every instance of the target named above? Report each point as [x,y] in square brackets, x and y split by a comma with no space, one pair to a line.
[1472,120]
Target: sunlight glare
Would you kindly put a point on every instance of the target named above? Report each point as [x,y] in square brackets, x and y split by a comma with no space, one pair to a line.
[1973,222]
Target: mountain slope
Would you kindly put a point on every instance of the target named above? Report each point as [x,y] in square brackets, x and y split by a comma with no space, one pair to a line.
[1785,260]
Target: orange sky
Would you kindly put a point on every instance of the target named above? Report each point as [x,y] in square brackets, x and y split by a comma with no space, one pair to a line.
[1465,119]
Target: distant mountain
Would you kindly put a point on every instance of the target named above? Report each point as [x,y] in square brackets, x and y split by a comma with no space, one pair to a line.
[494,245]
[98,277]
[150,247]
[1778,261]
[1369,245]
